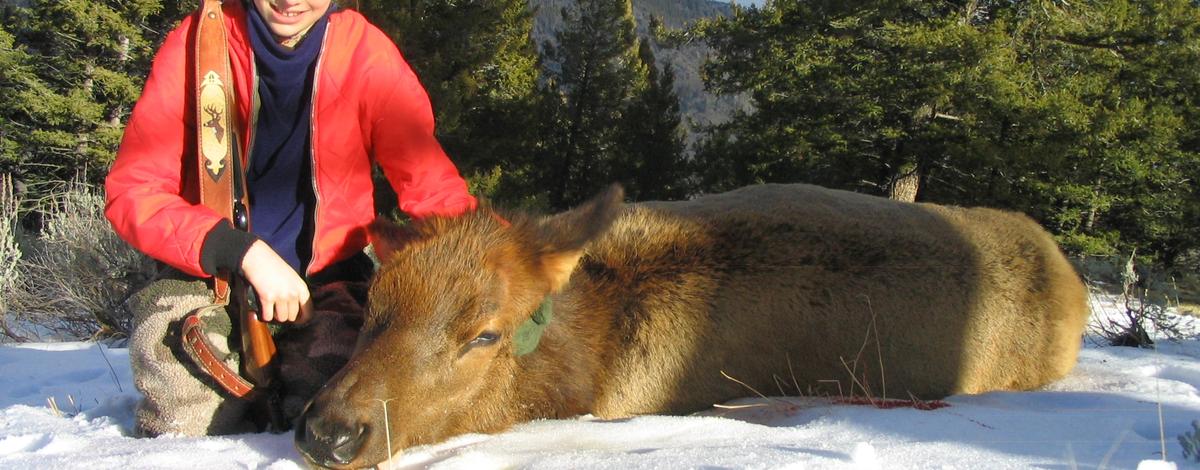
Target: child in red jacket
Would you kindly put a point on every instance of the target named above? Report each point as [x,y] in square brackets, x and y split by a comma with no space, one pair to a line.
[322,95]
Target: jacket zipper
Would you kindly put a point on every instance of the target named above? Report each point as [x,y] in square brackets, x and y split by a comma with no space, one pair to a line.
[255,106]
[312,147]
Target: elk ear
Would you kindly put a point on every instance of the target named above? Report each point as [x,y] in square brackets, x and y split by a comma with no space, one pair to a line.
[567,234]
[386,238]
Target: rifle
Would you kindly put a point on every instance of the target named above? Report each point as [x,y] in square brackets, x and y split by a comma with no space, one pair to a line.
[222,188]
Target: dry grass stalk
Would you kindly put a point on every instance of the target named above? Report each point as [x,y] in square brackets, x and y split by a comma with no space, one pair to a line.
[868,397]
[755,391]
[387,429]
[838,383]
[792,372]
[739,382]
[739,407]
[53,405]
[852,367]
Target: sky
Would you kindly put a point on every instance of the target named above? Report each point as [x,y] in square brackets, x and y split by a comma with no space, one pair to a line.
[1105,414]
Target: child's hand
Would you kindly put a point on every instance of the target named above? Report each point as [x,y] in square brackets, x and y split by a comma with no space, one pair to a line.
[282,294]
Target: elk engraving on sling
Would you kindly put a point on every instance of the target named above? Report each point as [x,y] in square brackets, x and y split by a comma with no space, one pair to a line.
[214,122]
[213,146]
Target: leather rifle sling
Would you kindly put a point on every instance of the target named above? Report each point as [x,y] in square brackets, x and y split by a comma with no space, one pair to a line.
[222,190]
[215,143]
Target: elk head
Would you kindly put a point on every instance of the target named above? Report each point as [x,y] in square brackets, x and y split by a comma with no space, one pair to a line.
[436,348]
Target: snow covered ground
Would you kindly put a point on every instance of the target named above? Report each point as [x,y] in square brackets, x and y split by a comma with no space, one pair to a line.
[1104,415]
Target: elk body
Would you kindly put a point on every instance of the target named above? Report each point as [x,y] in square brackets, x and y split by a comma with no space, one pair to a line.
[653,302]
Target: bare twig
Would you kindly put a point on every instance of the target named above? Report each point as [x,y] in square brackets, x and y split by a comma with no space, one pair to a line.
[791,371]
[111,370]
[779,385]
[1138,315]
[852,367]
[854,379]
[841,394]
[739,382]
[878,348]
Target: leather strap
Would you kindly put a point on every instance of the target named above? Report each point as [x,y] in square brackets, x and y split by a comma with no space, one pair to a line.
[215,143]
[221,189]
[197,347]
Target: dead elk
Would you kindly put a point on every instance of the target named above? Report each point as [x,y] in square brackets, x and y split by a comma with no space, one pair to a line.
[654,303]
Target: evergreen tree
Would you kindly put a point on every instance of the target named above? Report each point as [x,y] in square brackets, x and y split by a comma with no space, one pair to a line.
[72,70]
[592,69]
[858,95]
[1072,112]
[1103,154]
[479,65]
[652,164]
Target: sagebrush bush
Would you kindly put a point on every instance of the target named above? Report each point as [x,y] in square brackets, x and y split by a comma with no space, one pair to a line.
[1141,313]
[10,253]
[76,275]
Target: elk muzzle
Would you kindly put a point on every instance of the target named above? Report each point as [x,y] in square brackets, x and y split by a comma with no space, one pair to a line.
[328,440]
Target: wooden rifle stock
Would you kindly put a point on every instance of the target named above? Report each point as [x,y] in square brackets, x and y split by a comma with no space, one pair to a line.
[258,358]
[258,347]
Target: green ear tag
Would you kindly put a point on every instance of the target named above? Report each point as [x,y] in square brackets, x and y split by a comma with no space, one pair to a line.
[526,339]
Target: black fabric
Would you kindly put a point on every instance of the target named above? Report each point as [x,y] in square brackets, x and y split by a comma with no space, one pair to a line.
[357,268]
[223,249]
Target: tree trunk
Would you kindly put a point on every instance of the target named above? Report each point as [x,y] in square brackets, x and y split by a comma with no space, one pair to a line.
[1093,208]
[905,183]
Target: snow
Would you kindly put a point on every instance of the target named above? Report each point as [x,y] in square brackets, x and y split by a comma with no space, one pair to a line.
[1105,414]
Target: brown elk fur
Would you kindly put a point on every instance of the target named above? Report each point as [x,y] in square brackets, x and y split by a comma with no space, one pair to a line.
[654,301]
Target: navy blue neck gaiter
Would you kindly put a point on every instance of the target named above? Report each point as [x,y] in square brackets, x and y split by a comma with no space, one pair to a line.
[279,175]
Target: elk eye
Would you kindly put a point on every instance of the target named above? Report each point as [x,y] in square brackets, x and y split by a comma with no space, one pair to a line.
[486,338]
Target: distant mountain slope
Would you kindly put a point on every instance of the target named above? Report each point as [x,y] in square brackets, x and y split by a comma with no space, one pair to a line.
[698,106]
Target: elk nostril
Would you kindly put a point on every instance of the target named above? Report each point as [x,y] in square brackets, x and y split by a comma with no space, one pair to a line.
[346,447]
[329,443]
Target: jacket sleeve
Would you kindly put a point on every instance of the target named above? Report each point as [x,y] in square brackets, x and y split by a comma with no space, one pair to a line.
[403,143]
[144,188]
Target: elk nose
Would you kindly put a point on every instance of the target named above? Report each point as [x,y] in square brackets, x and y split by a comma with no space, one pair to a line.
[329,443]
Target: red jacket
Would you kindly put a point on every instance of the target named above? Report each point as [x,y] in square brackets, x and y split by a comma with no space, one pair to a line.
[367,107]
